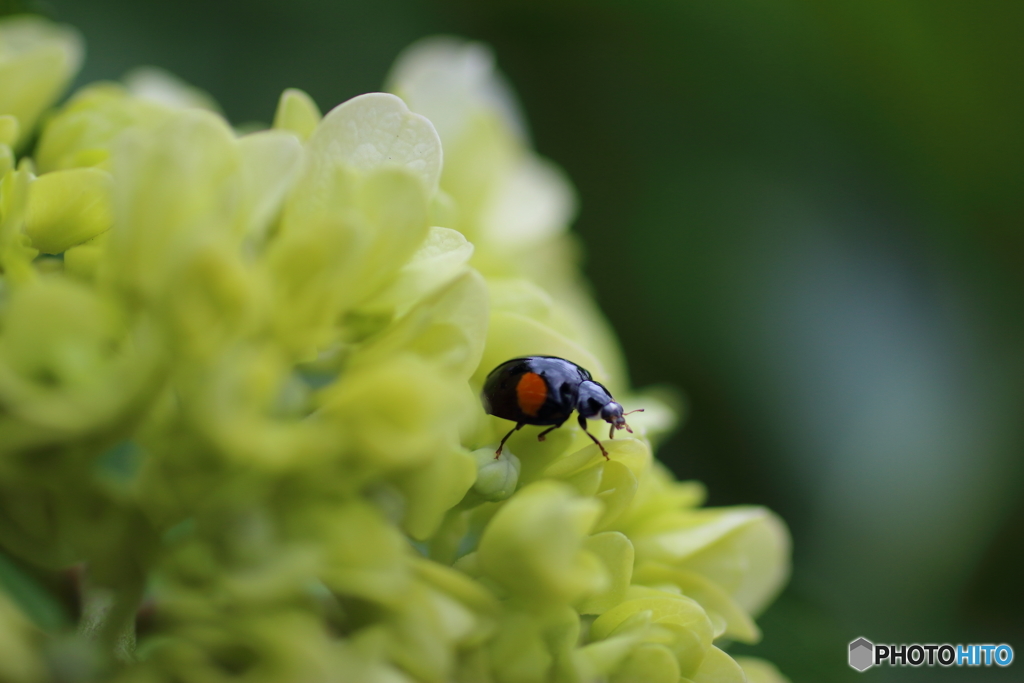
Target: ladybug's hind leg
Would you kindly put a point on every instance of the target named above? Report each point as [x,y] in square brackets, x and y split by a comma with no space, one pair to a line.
[540,437]
[497,453]
[583,424]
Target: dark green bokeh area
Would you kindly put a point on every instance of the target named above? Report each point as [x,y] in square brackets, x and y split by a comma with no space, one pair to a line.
[809,216]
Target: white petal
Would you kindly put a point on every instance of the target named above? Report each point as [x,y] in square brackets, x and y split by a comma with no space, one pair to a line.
[534,202]
[448,80]
[156,85]
[377,130]
[270,164]
[439,260]
[37,61]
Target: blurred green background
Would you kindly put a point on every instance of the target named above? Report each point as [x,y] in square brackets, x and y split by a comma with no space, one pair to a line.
[809,216]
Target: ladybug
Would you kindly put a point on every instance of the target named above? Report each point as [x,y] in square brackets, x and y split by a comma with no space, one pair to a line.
[544,390]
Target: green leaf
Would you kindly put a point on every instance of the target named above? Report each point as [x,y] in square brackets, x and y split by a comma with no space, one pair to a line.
[35,601]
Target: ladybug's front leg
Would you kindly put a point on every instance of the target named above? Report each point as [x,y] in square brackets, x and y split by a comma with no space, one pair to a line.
[583,424]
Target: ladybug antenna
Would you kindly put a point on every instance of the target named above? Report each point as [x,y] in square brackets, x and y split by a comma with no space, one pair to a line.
[622,422]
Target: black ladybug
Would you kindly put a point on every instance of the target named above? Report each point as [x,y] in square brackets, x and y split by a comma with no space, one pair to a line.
[544,390]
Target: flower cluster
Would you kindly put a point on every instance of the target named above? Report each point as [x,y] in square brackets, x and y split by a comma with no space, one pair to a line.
[239,414]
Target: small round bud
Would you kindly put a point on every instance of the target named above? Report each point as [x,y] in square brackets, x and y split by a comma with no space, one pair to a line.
[496,478]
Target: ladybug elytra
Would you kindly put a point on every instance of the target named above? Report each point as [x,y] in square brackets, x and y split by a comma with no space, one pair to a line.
[545,390]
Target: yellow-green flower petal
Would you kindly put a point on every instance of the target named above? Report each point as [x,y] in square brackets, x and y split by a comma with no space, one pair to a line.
[67,367]
[270,163]
[84,131]
[616,554]
[162,87]
[718,667]
[518,653]
[9,129]
[172,190]
[446,329]
[442,256]
[83,261]
[343,236]
[364,556]
[673,620]
[376,131]
[533,202]
[520,296]
[760,671]
[297,113]
[16,251]
[431,490]
[534,546]
[66,208]
[649,662]
[395,414]
[37,61]
[744,550]
[738,624]
[457,585]
[448,80]
[424,632]
[6,159]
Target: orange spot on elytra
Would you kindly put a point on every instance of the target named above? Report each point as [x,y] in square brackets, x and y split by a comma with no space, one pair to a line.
[531,392]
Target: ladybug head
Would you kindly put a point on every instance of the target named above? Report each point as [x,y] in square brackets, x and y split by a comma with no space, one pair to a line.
[613,414]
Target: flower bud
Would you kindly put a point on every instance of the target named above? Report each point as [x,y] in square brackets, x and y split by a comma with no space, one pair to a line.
[496,478]
[66,208]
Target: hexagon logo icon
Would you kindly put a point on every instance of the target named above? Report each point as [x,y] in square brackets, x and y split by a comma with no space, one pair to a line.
[862,653]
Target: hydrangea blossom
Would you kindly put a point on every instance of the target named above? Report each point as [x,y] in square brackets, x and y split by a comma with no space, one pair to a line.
[238,401]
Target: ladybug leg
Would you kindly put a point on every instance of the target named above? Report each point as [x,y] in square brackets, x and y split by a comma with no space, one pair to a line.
[540,437]
[497,453]
[583,424]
